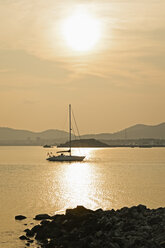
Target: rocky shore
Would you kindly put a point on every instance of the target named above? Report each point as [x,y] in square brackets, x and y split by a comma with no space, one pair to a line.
[134,227]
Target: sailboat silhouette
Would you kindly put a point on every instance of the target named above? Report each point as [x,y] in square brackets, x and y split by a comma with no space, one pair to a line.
[69,157]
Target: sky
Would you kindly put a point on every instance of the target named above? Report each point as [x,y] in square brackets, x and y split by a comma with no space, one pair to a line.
[116,82]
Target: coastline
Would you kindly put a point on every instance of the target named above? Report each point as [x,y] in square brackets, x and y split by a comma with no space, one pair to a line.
[137,226]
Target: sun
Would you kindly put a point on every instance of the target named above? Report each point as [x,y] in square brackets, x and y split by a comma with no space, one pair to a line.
[81,31]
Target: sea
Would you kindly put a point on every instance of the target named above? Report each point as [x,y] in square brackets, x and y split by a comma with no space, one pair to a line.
[108,178]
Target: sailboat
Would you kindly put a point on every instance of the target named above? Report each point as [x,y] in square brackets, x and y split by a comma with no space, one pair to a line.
[68,157]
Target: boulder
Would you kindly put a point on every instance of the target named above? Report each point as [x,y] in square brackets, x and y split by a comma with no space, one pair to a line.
[42,217]
[30,241]
[29,233]
[155,220]
[162,244]
[20,217]
[137,227]
[36,228]
[78,211]
[23,237]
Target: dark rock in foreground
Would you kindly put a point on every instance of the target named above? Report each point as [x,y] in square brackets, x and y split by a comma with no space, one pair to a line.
[132,227]
[42,217]
[20,217]
[23,237]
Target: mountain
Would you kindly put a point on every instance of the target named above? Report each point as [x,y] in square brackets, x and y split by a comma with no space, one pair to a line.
[24,137]
[15,134]
[9,136]
[139,131]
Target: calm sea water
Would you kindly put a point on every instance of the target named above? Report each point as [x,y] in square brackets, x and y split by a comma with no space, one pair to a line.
[108,178]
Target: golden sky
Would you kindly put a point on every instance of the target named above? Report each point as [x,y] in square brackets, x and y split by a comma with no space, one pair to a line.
[46,63]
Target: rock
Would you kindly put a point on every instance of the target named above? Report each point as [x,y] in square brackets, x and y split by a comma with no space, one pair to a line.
[98,211]
[20,217]
[99,234]
[120,241]
[141,208]
[162,244]
[44,222]
[135,227]
[58,219]
[36,228]
[30,241]
[23,237]
[42,217]
[113,245]
[29,233]
[146,228]
[69,225]
[79,211]
[41,235]
[154,220]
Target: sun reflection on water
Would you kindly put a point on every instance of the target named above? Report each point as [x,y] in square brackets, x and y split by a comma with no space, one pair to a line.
[78,182]
[89,153]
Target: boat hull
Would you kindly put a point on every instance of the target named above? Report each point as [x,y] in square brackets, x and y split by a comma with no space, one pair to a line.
[65,158]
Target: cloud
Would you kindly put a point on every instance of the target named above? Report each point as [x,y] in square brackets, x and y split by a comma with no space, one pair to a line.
[130,49]
[22,62]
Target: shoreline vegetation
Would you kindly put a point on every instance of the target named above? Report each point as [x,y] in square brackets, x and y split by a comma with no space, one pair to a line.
[134,227]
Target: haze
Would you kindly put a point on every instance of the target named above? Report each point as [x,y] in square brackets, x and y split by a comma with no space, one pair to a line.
[118,82]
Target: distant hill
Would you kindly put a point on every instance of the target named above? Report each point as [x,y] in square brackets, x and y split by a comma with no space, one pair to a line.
[138,131]
[24,137]
[9,136]
[10,133]
[85,143]
[141,131]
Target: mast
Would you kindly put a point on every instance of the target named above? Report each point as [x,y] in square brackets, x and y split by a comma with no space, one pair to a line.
[70,128]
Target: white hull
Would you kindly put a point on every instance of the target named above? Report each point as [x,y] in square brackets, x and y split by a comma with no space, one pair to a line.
[65,158]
